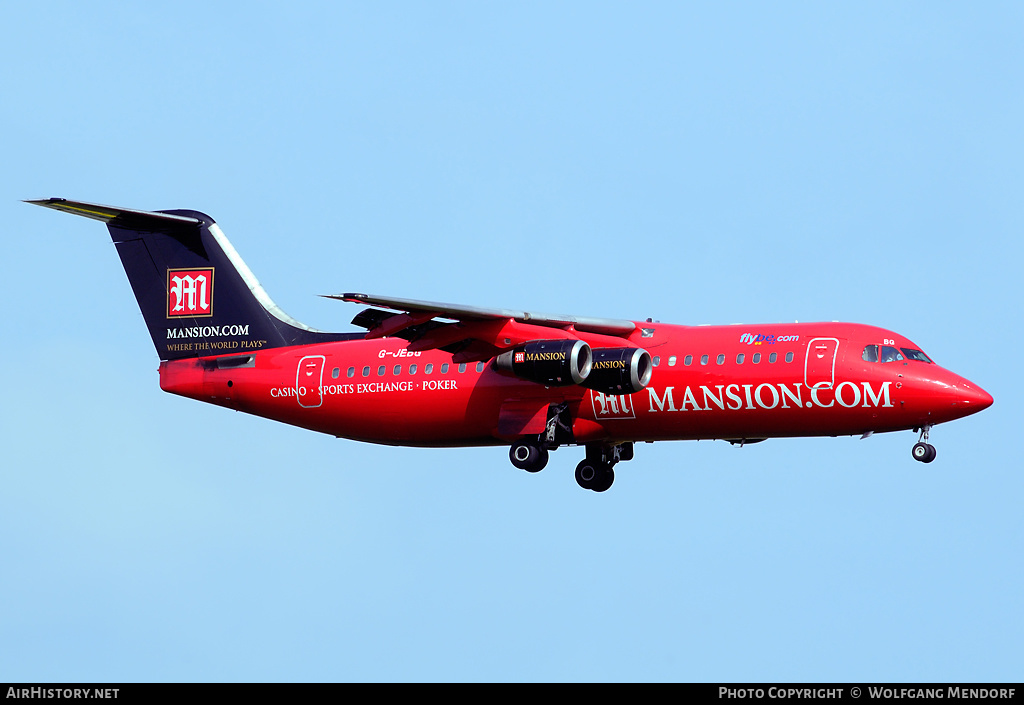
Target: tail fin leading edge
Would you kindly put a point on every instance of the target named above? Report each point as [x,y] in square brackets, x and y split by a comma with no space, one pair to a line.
[196,294]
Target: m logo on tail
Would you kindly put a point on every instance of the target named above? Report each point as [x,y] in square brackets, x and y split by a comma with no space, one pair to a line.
[190,292]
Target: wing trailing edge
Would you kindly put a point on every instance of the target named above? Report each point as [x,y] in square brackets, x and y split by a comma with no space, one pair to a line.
[604,326]
[474,333]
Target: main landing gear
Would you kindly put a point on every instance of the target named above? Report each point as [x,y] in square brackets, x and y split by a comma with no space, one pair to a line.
[530,453]
[595,471]
[923,451]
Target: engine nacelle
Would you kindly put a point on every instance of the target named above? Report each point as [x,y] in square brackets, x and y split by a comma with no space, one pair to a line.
[554,363]
[619,370]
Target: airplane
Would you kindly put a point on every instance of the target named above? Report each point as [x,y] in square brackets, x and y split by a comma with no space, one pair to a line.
[443,375]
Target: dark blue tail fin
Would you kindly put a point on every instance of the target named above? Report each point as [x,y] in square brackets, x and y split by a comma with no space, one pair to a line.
[197,295]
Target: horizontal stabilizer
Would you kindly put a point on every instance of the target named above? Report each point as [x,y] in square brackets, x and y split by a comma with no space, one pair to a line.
[121,217]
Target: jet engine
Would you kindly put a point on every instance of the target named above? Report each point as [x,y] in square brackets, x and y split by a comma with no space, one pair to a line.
[554,363]
[619,370]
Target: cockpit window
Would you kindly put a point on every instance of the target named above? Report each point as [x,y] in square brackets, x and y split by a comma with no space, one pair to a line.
[915,355]
[890,354]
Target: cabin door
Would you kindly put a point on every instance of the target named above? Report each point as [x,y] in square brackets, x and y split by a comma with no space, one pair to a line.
[820,365]
[309,380]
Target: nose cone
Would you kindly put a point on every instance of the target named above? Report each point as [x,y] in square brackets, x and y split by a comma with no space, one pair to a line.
[972,397]
[948,396]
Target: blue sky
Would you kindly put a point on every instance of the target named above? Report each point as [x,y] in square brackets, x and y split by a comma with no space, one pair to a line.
[711,163]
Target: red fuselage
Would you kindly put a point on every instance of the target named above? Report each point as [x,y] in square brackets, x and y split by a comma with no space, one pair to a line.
[738,382]
[436,374]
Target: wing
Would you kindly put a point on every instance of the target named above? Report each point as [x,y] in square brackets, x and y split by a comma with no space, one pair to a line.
[471,333]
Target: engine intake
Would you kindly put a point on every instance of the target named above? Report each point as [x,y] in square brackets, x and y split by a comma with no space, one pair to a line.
[619,370]
[555,363]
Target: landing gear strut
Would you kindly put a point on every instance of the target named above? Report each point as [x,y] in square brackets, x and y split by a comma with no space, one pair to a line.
[530,453]
[595,472]
[922,450]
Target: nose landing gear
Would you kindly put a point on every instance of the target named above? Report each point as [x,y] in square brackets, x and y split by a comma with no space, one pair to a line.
[923,451]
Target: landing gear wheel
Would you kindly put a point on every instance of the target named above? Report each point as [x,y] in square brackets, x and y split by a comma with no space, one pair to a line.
[528,456]
[587,473]
[594,475]
[919,451]
[924,452]
[605,480]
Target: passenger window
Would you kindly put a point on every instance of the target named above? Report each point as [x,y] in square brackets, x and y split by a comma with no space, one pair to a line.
[398,370]
[789,357]
[739,359]
[366,371]
[688,360]
[462,367]
[757,358]
[479,367]
[721,358]
[890,354]
[336,372]
[657,360]
[703,359]
[429,368]
[672,361]
[381,370]
[773,357]
[444,368]
[412,369]
[351,372]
